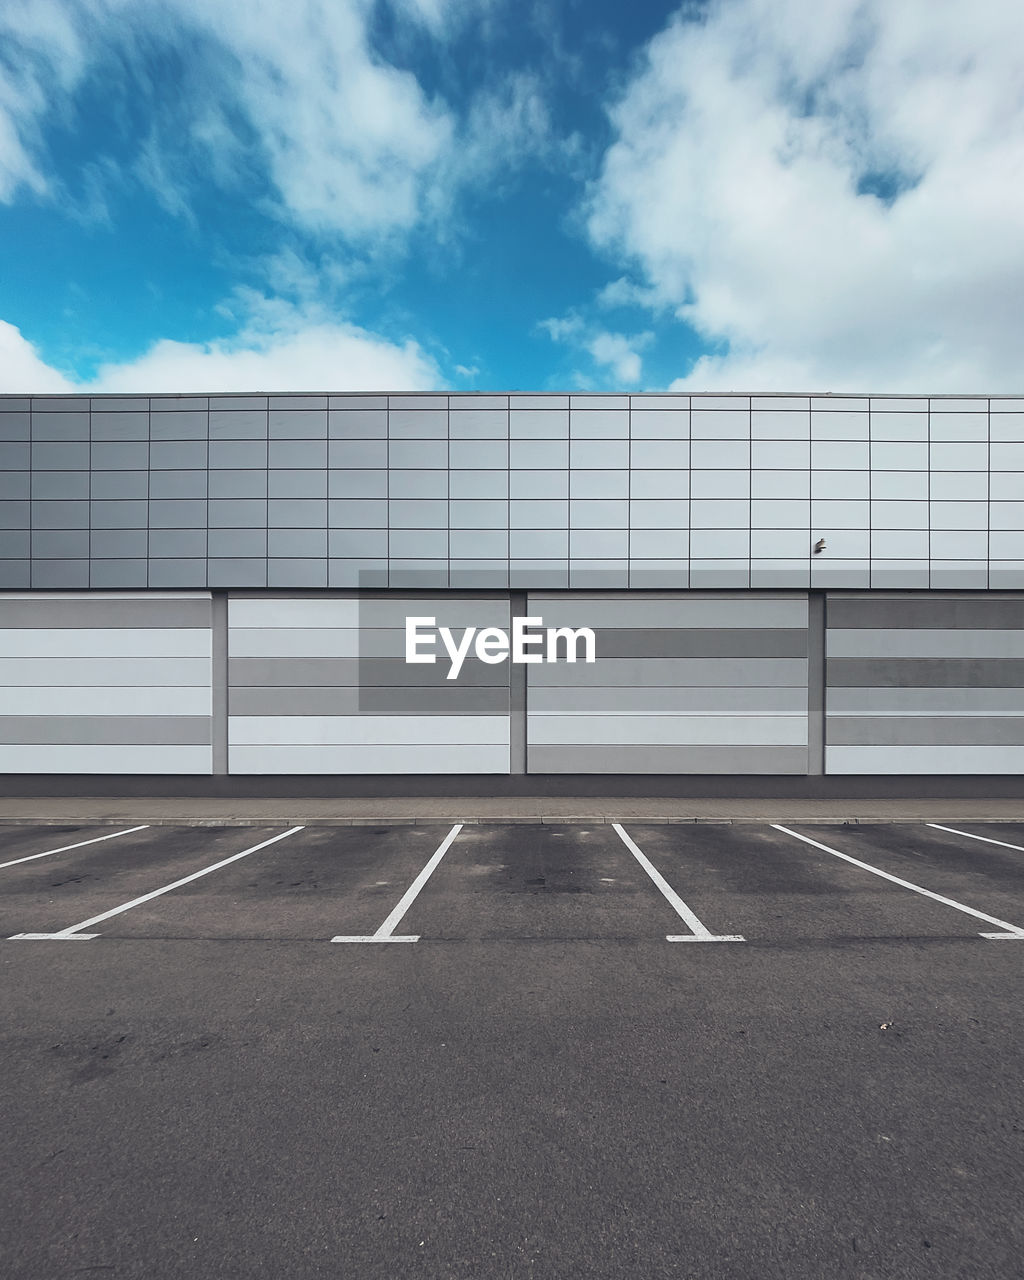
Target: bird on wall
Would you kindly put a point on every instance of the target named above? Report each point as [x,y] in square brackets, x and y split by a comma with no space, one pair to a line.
[819,546]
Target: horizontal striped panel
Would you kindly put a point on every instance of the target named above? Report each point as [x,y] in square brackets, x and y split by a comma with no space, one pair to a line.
[636,730]
[742,610]
[100,671]
[925,643]
[98,609]
[106,700]
[390,612]
[370,759]
[925,702]
[107,730]
[105,759]
[123,642]
[931,611]
[298,700]
[924,759]
[655,759]
[369,730]
[674,671]
[667,700]
[360,672]
[956,673]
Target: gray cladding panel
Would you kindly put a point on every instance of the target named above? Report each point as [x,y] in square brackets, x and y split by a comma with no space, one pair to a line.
[358,673]
[44,612]
[107,730]
[702,642]
[630,699]
[955,673]
[973,612]
[654,759]
[346,701]
[965,731]
[674,671]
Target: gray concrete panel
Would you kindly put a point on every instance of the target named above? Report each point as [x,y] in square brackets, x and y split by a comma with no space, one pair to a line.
[107,730]
[341,701]
[674,671]
[667,730]
[925,731]
[925,702]
[668,700]
[929,611]
[702,642]
[79,612]
[355,673]
[954,673]
[921,642]
[650,759]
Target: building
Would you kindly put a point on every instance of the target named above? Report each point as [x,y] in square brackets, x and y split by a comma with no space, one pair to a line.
[777,584]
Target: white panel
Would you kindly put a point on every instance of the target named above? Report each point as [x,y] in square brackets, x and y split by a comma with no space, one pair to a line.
[725,730]
[94,759]
[429,731]
[924,760]
[107,642]
[914,642]
[127,700]
[99,671]
[370,759]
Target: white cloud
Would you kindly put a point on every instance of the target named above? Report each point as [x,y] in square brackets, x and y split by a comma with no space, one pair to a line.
[22,370]
[619,353]
[280,347]
[731,190]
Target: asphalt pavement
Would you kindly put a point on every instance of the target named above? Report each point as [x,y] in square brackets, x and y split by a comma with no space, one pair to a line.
[200,1082]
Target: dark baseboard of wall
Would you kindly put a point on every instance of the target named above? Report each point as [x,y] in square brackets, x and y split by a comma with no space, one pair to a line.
[969,786]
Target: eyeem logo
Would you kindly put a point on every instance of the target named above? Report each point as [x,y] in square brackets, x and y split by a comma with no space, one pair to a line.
[493,645]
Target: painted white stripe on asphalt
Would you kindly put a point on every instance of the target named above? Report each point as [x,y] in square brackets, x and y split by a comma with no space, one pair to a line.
[700,932]
[971,836]
[64,848]
[73,933]
[1013,931]
[386,931]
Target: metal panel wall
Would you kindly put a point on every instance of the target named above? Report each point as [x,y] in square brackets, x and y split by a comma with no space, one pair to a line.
[682,684]
[320,685]
[925,684]
[98,683]
[512,492]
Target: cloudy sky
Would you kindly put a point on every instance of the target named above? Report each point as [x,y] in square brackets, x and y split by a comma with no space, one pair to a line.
[512,194]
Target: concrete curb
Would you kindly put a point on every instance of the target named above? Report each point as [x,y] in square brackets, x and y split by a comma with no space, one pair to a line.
[490,820]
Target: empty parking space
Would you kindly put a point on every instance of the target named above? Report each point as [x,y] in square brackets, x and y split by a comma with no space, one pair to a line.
[52,894]
[754,883]
[317,883]
[536,882]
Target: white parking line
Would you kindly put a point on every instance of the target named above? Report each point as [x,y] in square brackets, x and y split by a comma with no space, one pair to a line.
[386,933]
[74,934]
[1012,931]
[971,836]
[700,932]
[64,848]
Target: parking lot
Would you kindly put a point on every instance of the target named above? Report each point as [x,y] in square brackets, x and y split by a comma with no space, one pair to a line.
[489,1050]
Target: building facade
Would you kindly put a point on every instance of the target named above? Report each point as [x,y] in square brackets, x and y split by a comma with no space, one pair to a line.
[788,585]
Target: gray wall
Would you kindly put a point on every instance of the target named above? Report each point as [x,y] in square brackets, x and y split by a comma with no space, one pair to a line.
[932,683]
[516,492]
[684,682]
[105,683]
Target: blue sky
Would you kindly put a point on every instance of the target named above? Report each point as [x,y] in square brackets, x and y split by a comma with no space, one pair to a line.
[511,194]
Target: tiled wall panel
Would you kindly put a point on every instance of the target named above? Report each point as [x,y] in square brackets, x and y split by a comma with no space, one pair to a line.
[519,491]
[321,685]
[681,684]
[105,684]
[924,684]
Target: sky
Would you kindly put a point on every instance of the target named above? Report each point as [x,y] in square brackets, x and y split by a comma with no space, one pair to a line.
[581,195]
